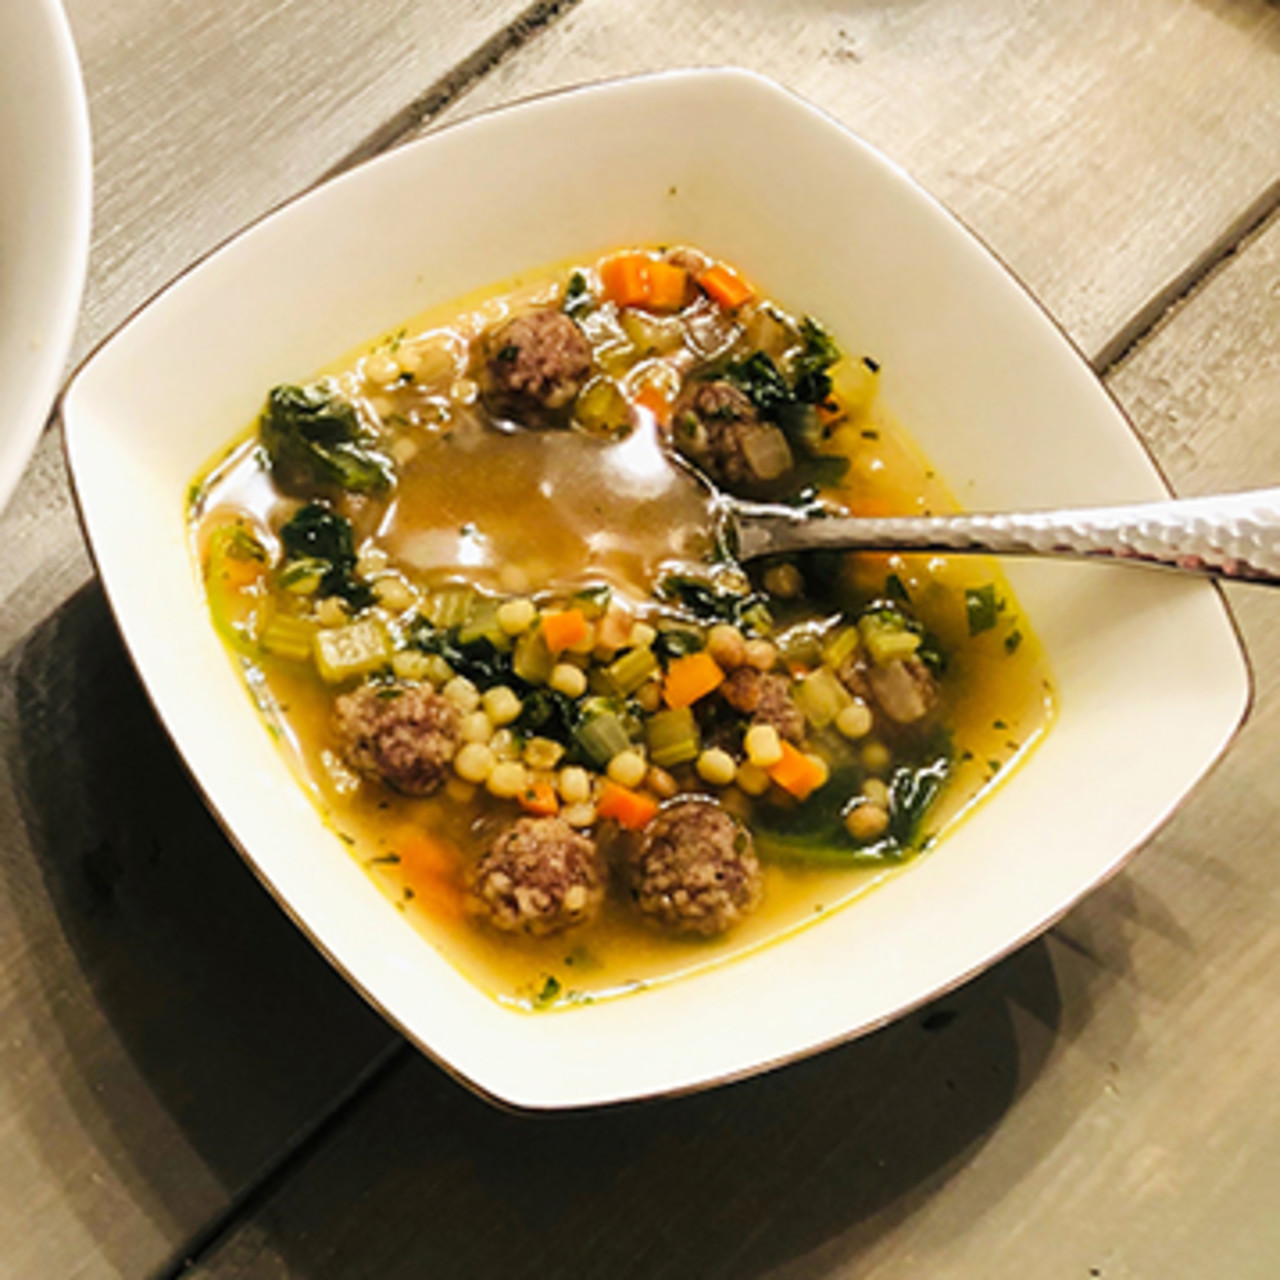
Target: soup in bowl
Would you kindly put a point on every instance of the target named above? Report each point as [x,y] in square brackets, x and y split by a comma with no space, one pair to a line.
[475,592]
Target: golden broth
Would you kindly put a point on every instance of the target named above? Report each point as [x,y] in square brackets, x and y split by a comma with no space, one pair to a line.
[527,510]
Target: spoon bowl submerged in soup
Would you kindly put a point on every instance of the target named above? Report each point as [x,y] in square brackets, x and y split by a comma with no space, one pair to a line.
[472,587]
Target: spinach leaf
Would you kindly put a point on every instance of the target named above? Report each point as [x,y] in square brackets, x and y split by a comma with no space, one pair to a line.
[811,381]
[982,607]
[911,792]
[314,441]
[709,604]
[317,535]
[577,296]
[757,377]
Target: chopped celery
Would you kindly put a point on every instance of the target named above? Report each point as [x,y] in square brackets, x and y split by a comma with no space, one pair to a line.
[234,580]
[354,650]
[821,697]
[449,606]
[303,577]
[289,637]
[532,660]
[887,637]
[601,735]
[626,674]
[482,624]
[672,737]
[840,646]
[800,646]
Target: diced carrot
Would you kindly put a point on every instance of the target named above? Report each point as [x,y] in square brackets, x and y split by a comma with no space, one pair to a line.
[797,773]
[540,799]
[627,278]
[668,286]
[564,628]
[441,899]
[652,398]
[726,286]
[422,854]
[690,678]
[429,869]
[239,575]
[630,809]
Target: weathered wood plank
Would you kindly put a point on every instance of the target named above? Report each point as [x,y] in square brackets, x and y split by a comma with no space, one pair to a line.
[1103,1103]
[206,115]
[1103,148]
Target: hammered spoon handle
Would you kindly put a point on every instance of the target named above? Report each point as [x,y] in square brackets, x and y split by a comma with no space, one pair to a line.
[1230,536]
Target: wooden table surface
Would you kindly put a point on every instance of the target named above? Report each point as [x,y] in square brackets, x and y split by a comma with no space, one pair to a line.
[185,1085]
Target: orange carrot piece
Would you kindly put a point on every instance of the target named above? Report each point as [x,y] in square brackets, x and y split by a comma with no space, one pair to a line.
[240,575]
[540,799]
[563,629]
[428,868]
[690,678]
[796,773]
[424,855]
[668,286]
[630,809]
[627,278]
[726,286]
[653,399]
[441,899]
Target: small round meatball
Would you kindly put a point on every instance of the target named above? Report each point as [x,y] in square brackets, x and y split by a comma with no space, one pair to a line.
[534,365]
[401,734]
[905,690]
[717,428]
[766,698]
[539,876]
[696,869]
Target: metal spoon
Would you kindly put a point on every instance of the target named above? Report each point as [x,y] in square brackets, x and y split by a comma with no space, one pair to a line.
[1235,537]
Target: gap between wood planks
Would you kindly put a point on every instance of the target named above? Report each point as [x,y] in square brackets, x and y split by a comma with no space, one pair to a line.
[1122,344]
[278,1171]
[454,84]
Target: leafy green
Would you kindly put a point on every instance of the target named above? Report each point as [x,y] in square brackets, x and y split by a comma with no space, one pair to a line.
[911,792]
[577,296]
[815,831]
[677,642]
[776,397]
[982,606]
[479,660]
[757,377]
[319,538]
[314,441]
[710,604]
[548,714]
[811,381]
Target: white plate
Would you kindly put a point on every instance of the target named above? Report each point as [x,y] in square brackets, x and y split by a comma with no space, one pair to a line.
[45,199]
[1151,677]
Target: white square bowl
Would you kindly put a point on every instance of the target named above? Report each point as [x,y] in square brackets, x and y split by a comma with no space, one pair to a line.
[1151,678]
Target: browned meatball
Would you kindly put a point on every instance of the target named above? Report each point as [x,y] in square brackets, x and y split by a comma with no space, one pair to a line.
[904,690]
[696,869]
[539,876]
[403,735]
[534,365]
[717,428]
[766,698]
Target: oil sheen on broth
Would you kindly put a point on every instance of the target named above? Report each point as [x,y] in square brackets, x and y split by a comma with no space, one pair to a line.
[580,748]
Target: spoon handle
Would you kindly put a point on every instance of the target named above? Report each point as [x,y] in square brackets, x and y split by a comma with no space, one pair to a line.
[1230,536]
